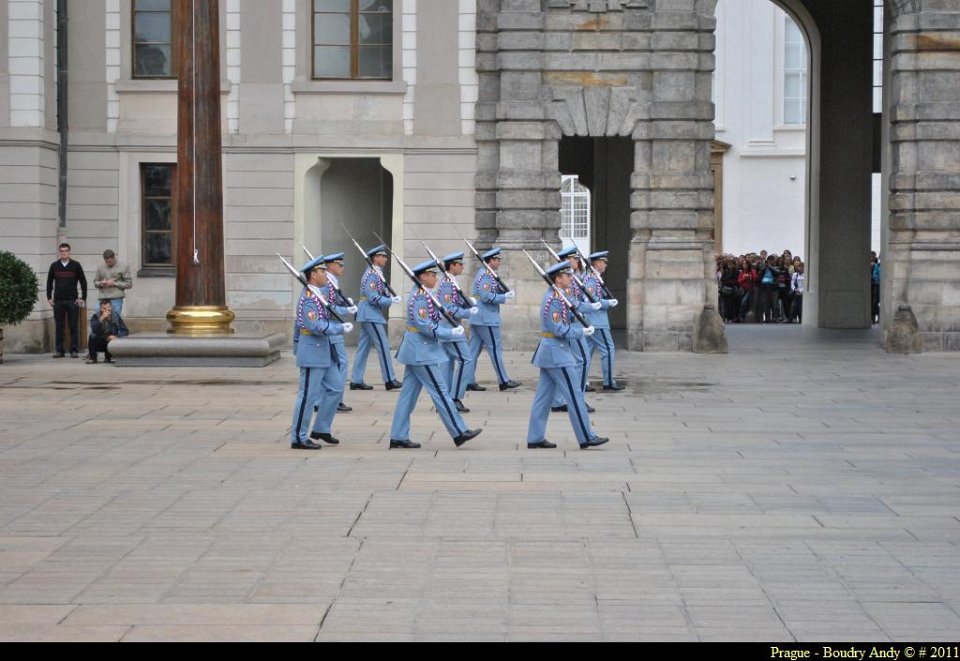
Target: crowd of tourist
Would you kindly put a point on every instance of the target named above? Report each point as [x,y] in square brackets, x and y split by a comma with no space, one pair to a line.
[765,288]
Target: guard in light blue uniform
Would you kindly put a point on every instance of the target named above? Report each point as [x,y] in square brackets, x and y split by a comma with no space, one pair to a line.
[576,296]
[317,359]
[424,358]
[459,306]
[560,366]
[343,306]
[485,326]
[375,300]
[601,340]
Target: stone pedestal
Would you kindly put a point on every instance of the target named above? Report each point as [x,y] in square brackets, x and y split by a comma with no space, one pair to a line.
[163,350]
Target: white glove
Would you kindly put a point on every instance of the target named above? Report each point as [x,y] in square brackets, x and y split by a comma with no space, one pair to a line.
[472,300]
[347,327]
[397,300]
[596,306]
[613,302]
[457,331]
[510,295]
[474,311]
[352,309]
[350,301]
[588,331]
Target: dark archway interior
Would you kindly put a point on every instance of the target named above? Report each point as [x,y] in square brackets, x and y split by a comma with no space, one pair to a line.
[604,166]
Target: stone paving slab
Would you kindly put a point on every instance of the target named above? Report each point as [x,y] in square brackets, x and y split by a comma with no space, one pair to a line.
[799,488]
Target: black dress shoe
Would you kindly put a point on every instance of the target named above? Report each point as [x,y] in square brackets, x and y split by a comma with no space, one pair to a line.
[91,361]
[509,384]
[590,409]
[594,442]
[360,386]
[614,388]
[559,409]
[589,388]
[410,445]
[475,387]
[541,445]
[393,385]
[466,436]
[460,406]
[306,445]
[343,408]
[109,360]
[58,355]
[318,436]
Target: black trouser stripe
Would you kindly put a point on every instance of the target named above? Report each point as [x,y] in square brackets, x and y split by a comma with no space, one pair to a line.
[456,385]
[384,355]
[303,403]
[608,340]
[440,392]
[583,367]
[496,361]
[572,404]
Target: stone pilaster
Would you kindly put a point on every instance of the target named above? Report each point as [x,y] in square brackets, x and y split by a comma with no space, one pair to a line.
[921,267]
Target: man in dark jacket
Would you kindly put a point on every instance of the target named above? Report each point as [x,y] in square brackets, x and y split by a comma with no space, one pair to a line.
[62,280]
[105,327]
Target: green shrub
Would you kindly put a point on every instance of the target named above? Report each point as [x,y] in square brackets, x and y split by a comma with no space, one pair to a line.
[18,289]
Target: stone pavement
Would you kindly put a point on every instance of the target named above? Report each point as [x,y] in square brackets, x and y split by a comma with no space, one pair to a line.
[806,486]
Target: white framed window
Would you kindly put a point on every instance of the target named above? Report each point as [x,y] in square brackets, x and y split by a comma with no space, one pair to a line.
[795,77]
[574,213]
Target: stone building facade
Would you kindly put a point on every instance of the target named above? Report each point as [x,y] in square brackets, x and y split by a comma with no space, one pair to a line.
[484,104]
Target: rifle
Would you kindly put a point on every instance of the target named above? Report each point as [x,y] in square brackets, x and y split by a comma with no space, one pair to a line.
[313,288]
[489,268]
[369,261]
[576,278]
[557,289]
[336,289]
[450,278]
[416,281]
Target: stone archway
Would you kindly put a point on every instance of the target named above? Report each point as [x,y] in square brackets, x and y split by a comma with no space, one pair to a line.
[643,68]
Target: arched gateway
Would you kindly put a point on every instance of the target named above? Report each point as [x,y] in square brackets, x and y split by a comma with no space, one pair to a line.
[619,92]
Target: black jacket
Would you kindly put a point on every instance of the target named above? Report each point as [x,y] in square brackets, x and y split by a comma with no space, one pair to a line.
[62,281]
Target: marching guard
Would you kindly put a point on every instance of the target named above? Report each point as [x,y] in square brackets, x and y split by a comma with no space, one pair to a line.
[342,306]
[576,295]
[423,356]
[601,340]
[375,300]
[320,381]
[459,306]
[485,326]
[560,364]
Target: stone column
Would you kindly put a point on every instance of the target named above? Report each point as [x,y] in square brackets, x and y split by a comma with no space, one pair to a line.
[518,180]
[201,298]
[671,255]
[921,266]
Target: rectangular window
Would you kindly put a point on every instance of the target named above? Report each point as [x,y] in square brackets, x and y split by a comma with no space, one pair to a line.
[157,214]
[153,53]
[353,39]
[794,74]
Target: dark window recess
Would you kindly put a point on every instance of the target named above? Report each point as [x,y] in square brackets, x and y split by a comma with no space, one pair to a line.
[157,214]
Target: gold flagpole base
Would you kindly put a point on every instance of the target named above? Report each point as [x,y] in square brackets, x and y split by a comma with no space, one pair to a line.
[197,320]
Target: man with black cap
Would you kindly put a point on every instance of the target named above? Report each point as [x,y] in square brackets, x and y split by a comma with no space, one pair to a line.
[423,356]
[459,306]
[560,364]
[375,300]
[485,326]
[317,359]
